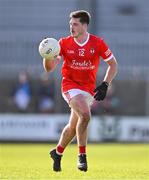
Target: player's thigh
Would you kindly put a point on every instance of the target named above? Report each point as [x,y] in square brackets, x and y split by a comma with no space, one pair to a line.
[79,104]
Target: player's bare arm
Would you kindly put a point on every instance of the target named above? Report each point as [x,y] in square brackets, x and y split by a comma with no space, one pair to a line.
[50,65]
[101,90]
[111,71]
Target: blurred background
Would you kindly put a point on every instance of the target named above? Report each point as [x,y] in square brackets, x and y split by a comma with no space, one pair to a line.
[31,105]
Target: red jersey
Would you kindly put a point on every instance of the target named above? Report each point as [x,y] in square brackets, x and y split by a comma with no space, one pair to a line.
[81,62]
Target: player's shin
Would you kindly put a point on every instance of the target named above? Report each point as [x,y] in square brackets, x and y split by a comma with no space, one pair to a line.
[67,135]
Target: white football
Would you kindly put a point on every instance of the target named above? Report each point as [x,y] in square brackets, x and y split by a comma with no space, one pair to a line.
[49,48]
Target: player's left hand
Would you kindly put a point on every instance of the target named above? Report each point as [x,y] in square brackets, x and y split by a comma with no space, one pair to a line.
[101,91]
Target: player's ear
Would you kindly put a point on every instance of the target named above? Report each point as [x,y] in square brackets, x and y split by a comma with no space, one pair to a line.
[85,26]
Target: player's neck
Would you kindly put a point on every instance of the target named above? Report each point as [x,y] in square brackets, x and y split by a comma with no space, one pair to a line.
[82,38]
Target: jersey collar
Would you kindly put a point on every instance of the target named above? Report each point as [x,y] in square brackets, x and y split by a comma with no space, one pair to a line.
[82,44]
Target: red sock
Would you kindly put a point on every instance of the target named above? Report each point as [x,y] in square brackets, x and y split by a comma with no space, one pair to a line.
[82,149]
[59,149]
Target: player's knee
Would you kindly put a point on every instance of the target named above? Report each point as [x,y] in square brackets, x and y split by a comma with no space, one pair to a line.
[85,116]
[84,120]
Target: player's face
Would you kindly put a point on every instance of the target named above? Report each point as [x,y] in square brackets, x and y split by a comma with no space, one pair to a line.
[76,27]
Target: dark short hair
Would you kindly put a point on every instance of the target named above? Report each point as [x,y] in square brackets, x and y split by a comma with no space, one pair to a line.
[84,16]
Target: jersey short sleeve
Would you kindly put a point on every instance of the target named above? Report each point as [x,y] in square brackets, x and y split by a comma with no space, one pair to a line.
[105,52]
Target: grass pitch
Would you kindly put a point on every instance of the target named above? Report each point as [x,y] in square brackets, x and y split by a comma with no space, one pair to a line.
[105,161]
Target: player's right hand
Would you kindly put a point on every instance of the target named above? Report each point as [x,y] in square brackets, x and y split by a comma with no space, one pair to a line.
[50,65]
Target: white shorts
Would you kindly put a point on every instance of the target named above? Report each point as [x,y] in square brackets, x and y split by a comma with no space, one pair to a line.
[68,95]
